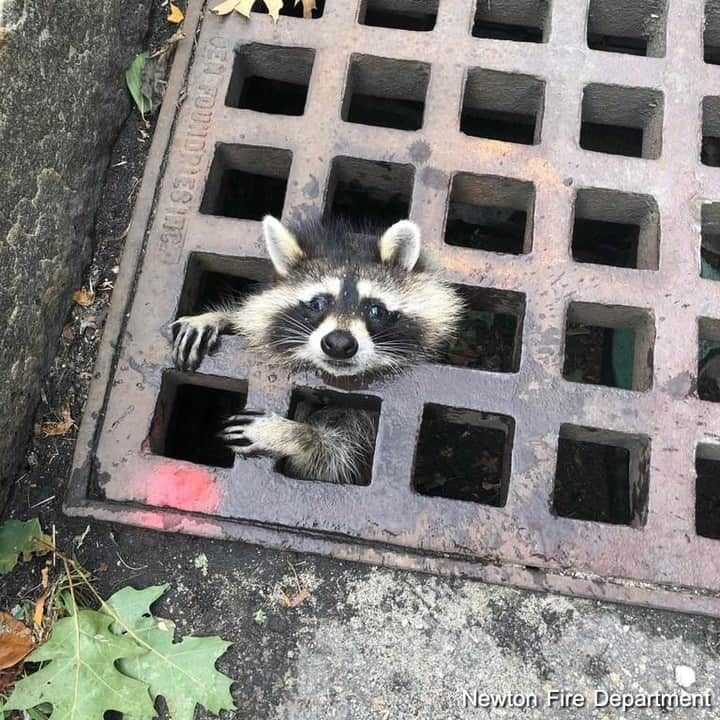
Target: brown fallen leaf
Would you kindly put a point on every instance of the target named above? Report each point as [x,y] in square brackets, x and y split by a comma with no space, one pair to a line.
[301,595]
[8,677]
[84,297]
[39,611]
[68,332]
[274,7]
[308,7]
[60,427]
[176,14]
[295,600]
[16,641]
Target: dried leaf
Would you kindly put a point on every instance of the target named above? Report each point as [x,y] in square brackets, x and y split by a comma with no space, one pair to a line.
[84,297]
[16,641]
[308,7]
[244,7]
[176,14]
[152,78]
[301,594]
[8,677]
[39,610]
[225,8]
[274,7]
[61,427]
[295,600]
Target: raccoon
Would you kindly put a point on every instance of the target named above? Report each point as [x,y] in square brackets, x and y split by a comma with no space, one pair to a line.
[346,303]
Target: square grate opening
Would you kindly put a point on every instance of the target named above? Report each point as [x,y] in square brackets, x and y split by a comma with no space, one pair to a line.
[710,153]
[246,182]
[707,491]
[190,412]
[270,79]
[387,93]
[711,34]
[418,15]
[369,191]
[710,242]
[602,476]
[490,336]
[609,345]
[215,280]
[291,8]
[515,20]
[503,106]
[709,359]
[615,228]
[492,213]
[305,402]
[497,187]
[464,455]
[635,28]
[622,121]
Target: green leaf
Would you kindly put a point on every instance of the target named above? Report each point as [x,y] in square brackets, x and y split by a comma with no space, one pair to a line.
[183,673]
[20,538]
[80,678]
[133,78]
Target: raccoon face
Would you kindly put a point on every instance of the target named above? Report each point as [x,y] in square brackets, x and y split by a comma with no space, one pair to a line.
[349,305]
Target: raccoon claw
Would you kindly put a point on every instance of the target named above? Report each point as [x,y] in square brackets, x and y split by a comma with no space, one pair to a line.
[238,435]
[193,338]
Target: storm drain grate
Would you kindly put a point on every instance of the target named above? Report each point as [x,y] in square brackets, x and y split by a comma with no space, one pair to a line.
[570,440]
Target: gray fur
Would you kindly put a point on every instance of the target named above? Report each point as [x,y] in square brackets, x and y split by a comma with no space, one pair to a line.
[353,272]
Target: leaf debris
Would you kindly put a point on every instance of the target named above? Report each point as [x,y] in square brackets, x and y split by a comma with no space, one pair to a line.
[175,15]
[16,641]
[84,297]
[59,427]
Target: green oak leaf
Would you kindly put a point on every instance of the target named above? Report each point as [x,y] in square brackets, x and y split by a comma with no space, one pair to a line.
[183,673]
[80,678]
[20,538]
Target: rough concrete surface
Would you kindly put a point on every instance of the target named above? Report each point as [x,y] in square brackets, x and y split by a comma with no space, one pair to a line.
[376,644]
[62,101]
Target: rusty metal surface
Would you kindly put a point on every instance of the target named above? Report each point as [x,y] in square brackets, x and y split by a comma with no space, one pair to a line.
[658,559]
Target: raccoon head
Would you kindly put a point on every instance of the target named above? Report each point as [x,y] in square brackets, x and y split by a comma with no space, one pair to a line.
[349,303]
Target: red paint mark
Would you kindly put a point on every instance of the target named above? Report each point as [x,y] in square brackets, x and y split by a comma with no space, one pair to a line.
[149,519]
[181,486]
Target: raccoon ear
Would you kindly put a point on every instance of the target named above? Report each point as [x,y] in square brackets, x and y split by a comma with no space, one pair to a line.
[281,245]
[400,245]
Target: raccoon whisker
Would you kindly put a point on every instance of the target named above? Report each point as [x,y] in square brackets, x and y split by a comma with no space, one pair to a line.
[296,322]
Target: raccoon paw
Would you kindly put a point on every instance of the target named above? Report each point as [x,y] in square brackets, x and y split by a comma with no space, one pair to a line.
[194,336]
[252,432]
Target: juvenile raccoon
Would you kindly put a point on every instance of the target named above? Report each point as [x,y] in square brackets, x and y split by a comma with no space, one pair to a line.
[343,303]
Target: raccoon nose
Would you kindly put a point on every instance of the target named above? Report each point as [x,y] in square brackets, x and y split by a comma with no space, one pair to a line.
[339,344]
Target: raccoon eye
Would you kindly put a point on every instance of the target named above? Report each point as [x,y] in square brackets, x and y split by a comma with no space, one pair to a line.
[377,312]
[318,304]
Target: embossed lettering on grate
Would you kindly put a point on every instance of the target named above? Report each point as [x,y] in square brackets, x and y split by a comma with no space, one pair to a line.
[561,157]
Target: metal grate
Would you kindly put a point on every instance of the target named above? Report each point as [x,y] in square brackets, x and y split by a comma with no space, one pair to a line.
[567,206]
